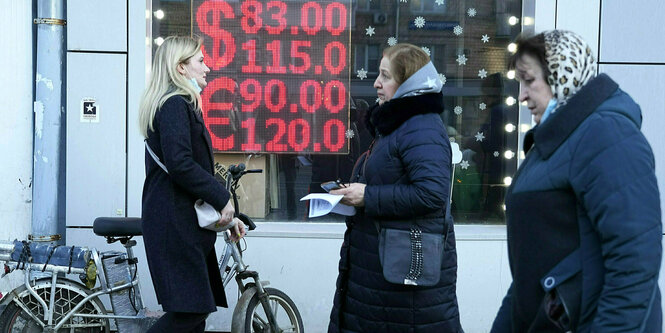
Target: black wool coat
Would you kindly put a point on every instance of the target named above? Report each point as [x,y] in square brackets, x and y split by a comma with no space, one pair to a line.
[408,179]
[181,255]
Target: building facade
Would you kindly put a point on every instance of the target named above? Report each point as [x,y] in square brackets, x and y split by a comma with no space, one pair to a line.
[315,82]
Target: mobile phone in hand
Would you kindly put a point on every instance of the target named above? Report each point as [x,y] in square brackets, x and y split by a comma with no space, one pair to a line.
[332,185]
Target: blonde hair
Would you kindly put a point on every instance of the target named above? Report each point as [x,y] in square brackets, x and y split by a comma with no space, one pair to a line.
[166,81]
[405,60]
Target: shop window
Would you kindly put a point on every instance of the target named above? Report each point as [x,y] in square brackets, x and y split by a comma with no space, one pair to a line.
[430,49]
[368,57]
[368,5]
[299,112]
[428,6]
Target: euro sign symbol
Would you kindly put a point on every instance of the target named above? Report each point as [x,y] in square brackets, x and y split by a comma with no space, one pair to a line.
[223,44]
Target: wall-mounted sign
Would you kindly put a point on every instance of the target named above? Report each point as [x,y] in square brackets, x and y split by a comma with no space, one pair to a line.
[280,74]
[89,110]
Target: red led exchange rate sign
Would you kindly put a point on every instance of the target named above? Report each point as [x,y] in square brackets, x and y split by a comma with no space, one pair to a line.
[280,74]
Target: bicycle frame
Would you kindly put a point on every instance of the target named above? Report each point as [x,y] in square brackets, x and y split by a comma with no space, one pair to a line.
[237,269]
[47,321]
[232,250]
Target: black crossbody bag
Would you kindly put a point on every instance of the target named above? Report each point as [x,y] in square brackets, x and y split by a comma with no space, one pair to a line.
[412,257]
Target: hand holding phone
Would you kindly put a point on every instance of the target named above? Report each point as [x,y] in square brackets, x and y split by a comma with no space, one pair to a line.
[332,185]
[354,194]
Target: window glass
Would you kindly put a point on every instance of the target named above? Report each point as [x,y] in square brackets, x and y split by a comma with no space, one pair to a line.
[293,79]
[368,56]
[365,5]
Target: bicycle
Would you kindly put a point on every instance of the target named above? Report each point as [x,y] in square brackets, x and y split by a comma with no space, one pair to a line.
[56,303]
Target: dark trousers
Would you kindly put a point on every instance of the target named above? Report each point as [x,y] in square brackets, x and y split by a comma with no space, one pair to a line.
[180,322]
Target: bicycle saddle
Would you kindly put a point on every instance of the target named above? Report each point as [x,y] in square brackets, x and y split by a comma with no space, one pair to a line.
[117,226]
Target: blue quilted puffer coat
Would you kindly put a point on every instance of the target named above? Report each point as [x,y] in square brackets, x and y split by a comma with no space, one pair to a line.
[407,172]
[584,221]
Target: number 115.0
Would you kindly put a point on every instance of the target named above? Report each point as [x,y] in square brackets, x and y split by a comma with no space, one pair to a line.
[299,53]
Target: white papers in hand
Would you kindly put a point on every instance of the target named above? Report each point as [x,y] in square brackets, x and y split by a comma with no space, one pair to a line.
[323,203]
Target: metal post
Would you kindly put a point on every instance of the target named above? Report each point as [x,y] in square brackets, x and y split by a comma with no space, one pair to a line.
[49,110]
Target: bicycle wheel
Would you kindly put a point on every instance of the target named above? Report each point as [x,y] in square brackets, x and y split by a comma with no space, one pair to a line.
[285,311]
[67,295]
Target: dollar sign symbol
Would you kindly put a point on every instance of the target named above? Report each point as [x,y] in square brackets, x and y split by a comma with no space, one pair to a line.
[219,36]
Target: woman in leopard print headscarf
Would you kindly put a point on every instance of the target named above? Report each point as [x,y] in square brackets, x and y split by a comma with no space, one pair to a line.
[570,63]
[583,210]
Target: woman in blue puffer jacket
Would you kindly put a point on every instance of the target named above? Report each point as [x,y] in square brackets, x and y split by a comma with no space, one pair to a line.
[404,177]
[583,210]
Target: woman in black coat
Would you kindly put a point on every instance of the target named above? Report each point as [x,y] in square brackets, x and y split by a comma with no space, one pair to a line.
[181,255]
[402,182]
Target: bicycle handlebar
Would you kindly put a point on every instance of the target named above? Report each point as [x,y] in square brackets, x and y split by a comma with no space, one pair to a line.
[238,170]
[247,221]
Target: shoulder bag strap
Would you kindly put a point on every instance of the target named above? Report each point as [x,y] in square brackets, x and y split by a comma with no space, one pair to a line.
[154,157]
[446,212]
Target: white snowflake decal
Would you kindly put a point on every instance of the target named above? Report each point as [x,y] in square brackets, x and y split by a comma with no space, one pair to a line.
[369,31]
[485,38]
[458,30]
[419,22]
[431,83]
[482,106]
[442,78]
[392,41]
[405,1]
[461,59]
[426,49]
[471,12]
[350,134]
[378,99]
[440,2]
[458,110]
[464,164]
[482,73]
[361,73]
[480,136]
[496,153]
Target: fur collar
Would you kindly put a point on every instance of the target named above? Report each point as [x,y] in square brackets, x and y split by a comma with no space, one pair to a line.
[384,119]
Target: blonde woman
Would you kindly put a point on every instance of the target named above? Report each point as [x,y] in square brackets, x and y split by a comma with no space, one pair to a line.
[181,256]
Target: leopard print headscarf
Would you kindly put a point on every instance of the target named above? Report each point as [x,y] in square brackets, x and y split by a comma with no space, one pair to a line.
[570,61]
